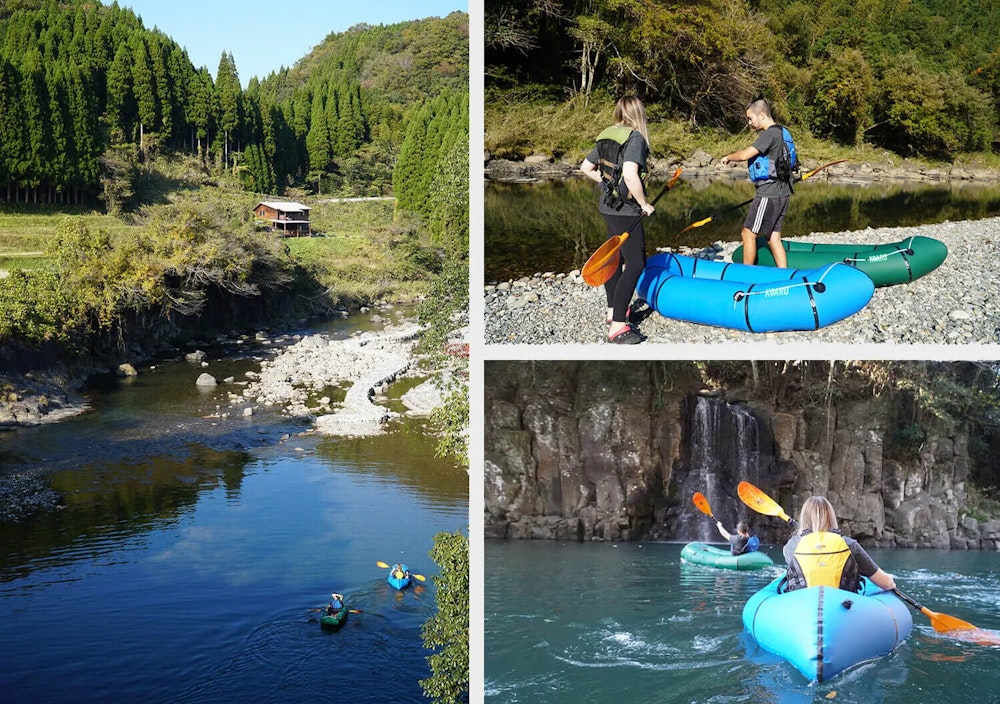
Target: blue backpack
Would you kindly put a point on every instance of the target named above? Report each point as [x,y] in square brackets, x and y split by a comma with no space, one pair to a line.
[764,169]
[752,544]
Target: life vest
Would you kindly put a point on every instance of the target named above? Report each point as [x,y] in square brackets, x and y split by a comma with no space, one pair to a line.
[748,544]
[611,162]
[823,560]
[769,168]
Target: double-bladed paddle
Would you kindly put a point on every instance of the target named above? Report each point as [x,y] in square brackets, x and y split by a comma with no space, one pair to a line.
[943,623]
[702,503]
[762,503]
[602,264]
[731,208]
[415,576]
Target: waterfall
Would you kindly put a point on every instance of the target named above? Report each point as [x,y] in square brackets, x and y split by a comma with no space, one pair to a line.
[723,449]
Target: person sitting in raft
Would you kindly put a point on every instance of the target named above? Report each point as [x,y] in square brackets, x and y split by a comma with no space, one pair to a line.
[398,572]
[818,555]
[336,603]
[741,542]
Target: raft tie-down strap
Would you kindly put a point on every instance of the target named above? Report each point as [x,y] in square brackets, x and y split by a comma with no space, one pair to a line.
[908,252]
[818,285]
[819,636]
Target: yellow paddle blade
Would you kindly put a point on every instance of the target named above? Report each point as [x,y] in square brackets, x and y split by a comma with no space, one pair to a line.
[694,225]
[820,168]
[419,576]
[602,264]
[702,503]
[760,502]
[382,565]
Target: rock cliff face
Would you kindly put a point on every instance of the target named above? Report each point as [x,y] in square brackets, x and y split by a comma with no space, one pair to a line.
[613,451]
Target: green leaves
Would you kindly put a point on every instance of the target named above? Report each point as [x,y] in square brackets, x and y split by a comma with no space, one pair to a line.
[448,629]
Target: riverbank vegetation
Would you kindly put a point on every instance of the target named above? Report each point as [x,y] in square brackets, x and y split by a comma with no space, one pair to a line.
[447,631]
[129,176]
[873,80]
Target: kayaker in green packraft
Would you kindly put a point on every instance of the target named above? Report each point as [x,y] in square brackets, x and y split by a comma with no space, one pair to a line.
[740,542]
[336,603]
[818,555]
[771,160]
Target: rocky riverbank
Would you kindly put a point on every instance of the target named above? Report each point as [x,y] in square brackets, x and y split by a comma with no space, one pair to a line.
[541,167]
[24,494]
[300,377]
[953,305]
[37,398]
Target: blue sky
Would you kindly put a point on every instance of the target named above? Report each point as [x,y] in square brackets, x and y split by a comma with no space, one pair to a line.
[264,35]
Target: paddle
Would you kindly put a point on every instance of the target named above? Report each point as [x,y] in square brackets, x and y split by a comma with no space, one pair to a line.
[602,264]
[702,503]
[942,622]
[731,208]
[415,576]
[762,503]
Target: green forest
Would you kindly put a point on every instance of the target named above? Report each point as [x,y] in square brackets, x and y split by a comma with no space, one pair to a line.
[86,91]
[130,177]
[919,78]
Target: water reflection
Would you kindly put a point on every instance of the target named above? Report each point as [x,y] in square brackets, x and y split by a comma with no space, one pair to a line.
[555,226]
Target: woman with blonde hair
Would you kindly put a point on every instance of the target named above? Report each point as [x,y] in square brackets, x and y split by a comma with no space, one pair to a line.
[818,555]
[618,163]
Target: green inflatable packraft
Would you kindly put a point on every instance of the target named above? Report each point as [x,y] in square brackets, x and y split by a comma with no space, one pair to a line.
[886,264]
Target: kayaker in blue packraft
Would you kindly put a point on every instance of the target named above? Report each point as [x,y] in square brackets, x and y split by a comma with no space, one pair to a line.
[818,555]
[740,542]
[771,160]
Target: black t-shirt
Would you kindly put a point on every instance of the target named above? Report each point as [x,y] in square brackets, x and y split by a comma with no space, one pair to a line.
[637,151]
[769,143]
[738,544]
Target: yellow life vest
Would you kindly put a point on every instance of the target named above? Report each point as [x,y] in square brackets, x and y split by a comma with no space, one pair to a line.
[823,560]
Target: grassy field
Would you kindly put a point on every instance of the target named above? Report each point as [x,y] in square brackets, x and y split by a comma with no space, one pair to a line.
[365,254]
[26,232]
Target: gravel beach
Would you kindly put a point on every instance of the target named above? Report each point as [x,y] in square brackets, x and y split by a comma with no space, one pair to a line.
[954,305]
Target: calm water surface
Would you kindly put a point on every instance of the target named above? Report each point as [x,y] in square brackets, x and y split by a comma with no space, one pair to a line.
[192,549]
[555,226]
[632,623]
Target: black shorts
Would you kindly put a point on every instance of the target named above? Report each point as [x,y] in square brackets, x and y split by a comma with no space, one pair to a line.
[766,215]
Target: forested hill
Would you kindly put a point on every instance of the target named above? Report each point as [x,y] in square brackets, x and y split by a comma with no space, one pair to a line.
[918,77]
[86,92]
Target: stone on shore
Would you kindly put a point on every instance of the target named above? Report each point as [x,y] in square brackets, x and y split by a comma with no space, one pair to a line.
[206,379]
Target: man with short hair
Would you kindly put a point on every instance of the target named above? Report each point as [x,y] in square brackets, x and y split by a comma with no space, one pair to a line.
[767,212]
[738,543]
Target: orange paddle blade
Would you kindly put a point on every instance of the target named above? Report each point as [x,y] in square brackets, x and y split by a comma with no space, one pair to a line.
[760,502]
[950,625]
[603,263]
[673,180]
[702,503]
[943,622]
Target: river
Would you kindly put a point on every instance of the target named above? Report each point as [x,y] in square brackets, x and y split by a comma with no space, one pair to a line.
[630,622]
[554,226]
[195,547]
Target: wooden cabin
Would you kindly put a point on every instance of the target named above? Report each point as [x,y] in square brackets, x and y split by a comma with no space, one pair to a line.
[289,218]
